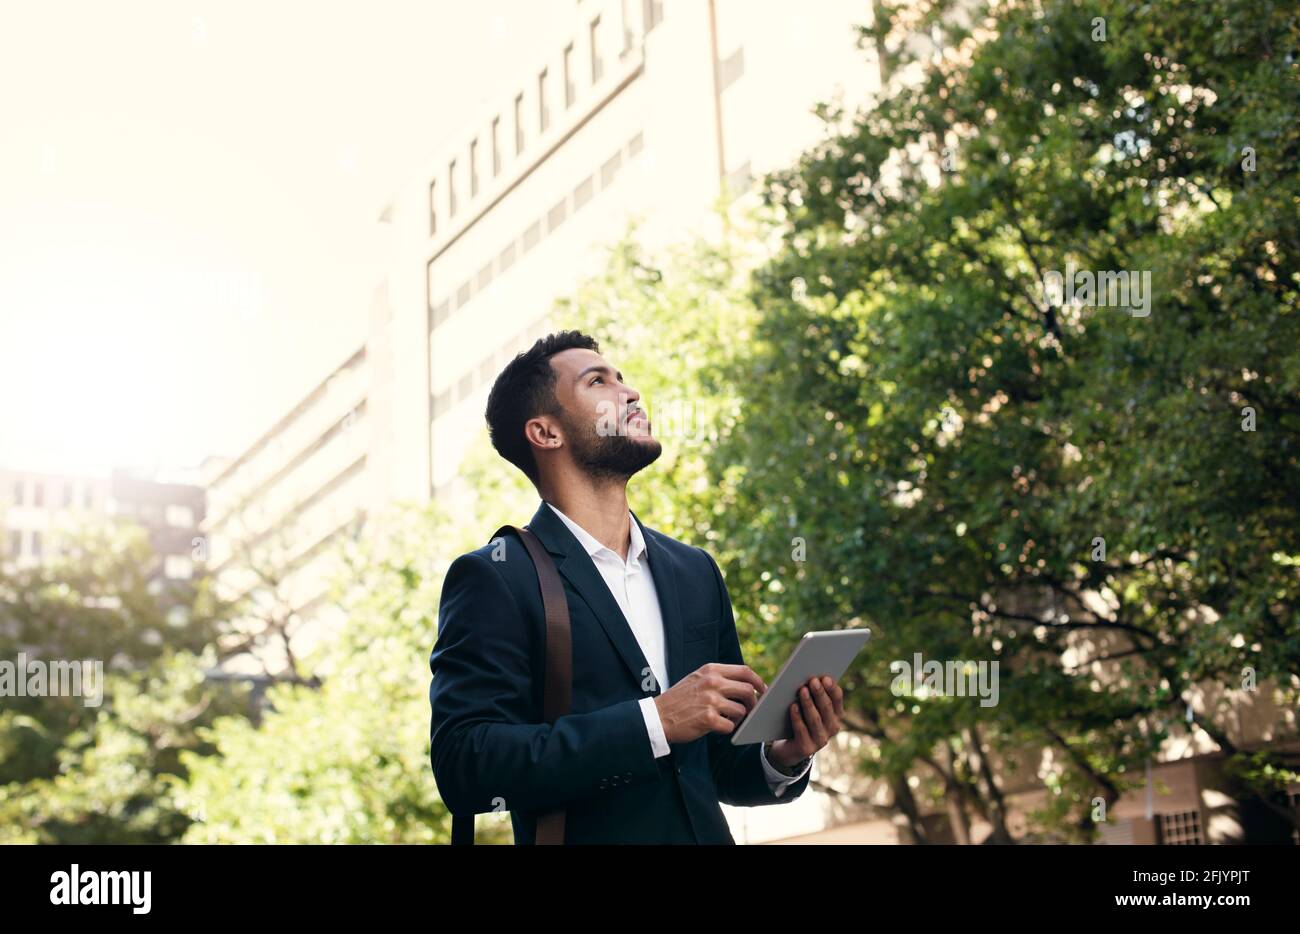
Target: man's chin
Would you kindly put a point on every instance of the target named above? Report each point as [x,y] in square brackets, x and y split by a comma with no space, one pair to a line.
[651,448]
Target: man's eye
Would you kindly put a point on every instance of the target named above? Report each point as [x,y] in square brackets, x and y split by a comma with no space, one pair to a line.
[596,380]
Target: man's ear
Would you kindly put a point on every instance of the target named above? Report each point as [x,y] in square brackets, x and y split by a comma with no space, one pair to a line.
[544,432]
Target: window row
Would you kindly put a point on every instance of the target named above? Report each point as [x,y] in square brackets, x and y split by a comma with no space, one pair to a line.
[532,235]
[535,116]
[34,548]
[32,493]
[484,373]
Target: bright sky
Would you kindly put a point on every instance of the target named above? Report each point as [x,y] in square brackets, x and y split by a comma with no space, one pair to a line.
[189,203]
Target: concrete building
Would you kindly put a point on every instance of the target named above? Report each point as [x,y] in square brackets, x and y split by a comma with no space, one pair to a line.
[631,110]
[275,511]
[38,511]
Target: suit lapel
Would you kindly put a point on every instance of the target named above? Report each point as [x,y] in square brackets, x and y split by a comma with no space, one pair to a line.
[576,566]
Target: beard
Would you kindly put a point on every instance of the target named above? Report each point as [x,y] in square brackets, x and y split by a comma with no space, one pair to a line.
[610,457]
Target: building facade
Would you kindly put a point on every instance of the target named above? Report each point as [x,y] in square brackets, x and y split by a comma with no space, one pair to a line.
[634,110]
[40,511]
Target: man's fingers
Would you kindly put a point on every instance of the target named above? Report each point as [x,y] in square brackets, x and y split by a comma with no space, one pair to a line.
[801,738]
[741,673]
[824,705]
[720,724]
[837,697]
[733,711]
[815,728]
[742,691]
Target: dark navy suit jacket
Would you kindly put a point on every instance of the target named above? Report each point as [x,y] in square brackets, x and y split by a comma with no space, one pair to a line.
[490,746]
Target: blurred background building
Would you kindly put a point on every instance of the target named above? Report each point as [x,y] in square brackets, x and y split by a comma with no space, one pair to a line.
[39,510]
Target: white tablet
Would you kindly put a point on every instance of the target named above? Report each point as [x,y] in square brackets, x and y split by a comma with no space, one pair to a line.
[818,653]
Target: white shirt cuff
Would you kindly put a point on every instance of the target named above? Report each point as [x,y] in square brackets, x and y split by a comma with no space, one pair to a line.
[779,781]
[655,727]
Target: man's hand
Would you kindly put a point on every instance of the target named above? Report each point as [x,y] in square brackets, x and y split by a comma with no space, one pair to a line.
[713,698]
[816,717]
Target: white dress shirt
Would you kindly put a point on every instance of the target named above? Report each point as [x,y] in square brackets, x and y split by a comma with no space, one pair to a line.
[633,587]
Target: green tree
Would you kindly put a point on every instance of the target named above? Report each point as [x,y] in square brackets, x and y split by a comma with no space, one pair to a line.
[953,445]
[342,756]
[73,772]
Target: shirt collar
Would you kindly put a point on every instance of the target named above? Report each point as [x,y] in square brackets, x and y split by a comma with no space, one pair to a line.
[636,547]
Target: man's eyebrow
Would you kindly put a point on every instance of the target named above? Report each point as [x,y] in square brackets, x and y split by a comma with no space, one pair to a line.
[596,369]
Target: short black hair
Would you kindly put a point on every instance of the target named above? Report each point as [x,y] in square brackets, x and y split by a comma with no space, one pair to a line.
[525,389]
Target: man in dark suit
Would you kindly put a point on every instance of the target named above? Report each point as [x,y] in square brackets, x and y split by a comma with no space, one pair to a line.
[633,762]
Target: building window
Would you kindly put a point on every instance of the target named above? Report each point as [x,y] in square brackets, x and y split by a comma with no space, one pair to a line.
[556,215]
[519,124]
[532,235]
[178,516]
[38,494]
[496,146]
[451,188]
[582,194]
[18,492]
[68,496]
[433,208]
[739,180]
[507,258]
[15,543]
[473,168]
[731,68]
[627,28]
[465,386]
[597,64]
[569,91]
[178,568]
[87,499]
[1181,828]
[610,168]
[543,116]
[654,13]
[36,543]
[441,311]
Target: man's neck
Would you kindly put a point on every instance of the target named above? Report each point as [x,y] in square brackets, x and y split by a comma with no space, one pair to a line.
[601,510]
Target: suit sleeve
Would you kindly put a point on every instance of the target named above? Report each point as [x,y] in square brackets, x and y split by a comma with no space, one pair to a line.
[738,771]
[489,744]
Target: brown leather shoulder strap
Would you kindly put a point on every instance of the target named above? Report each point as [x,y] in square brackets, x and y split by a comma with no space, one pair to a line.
[557,687]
